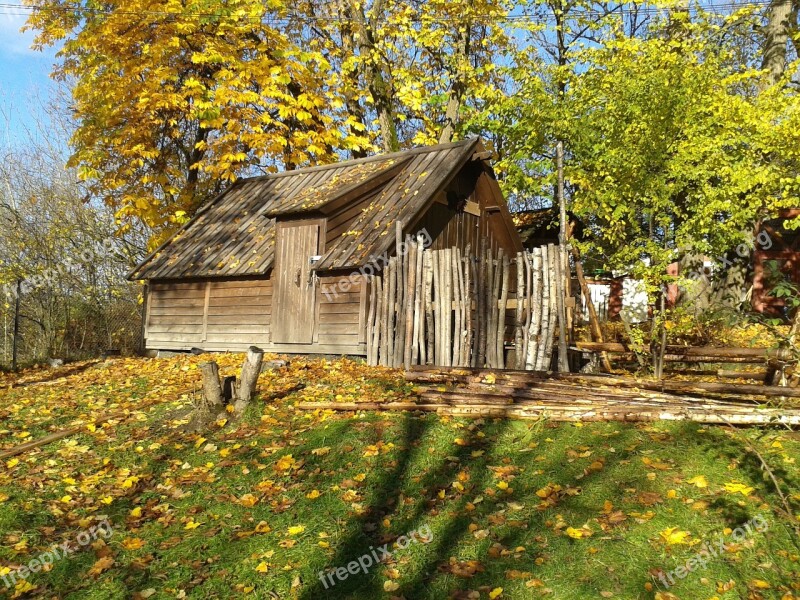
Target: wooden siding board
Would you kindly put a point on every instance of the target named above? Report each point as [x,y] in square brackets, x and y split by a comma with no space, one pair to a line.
[192,322]
[237,310]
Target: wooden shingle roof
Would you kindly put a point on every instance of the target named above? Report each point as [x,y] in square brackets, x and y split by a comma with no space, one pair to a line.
[234,234]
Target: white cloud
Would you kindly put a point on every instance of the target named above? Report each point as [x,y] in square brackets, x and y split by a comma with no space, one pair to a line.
[12,41]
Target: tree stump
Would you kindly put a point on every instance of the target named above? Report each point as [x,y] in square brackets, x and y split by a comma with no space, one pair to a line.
[212,400]
[212,389]
[250,372]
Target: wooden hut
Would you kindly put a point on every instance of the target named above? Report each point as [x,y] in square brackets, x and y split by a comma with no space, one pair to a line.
[284,261]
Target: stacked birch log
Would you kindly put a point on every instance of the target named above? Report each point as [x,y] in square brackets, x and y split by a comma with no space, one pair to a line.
[576,397]
[454,309]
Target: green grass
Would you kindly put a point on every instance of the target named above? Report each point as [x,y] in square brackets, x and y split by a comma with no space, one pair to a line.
[384,475]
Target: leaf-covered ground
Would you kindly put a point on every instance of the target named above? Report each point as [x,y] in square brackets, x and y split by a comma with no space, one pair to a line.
[267,506]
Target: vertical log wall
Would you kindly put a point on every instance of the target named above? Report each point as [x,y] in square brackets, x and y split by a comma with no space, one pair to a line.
[448,308]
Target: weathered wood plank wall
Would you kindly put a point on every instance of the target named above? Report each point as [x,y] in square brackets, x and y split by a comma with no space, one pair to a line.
[235,314]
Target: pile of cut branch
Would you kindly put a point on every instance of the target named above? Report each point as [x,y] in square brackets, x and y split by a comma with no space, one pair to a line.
[576,397]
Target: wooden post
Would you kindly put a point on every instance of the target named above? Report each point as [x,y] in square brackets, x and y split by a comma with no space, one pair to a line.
[486,317]
[418,349]
[558,276]
[436,306]
[386,326]
[378,320]
[370,317]
[15,344]
[544,311]
[250,372]
[468,309]
[463,298]
[455,258]
[447,309]
[528,258]
[392,310]
[448,306]
[552,258]
[518,319]
[430,331]
[562,284]
[474,269]
[537,307]
[411,287]
[480,313]
[440,285]
[501,311]
[402,285]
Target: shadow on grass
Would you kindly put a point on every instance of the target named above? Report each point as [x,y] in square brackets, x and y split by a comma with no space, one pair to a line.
[440,502]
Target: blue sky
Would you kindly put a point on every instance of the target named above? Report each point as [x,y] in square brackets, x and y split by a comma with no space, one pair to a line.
[24,78]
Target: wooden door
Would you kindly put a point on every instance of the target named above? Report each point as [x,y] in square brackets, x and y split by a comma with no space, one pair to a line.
[294,306]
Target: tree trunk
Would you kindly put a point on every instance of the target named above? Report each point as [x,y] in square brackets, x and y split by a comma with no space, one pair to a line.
[251,369]
[562,277]
[458,85]
[782,15]
[350,77]
[659,349]
[378,79]
[15,346]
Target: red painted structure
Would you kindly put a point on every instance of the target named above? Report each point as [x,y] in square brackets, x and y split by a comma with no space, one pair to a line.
[784,250]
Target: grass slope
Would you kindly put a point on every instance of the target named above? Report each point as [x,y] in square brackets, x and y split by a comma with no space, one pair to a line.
[262,506]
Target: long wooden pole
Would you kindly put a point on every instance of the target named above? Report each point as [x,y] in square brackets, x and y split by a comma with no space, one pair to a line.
[518,317]
[411,288]
[594,322]
[562,275]
[599,411]
[531,378]
[501,312]
[692,351]
[430,330]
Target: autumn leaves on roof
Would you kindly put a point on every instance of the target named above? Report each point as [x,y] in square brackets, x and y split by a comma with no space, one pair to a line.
[234,234]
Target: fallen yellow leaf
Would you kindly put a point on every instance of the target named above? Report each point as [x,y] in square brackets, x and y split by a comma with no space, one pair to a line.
[699,481]
[132,543]
[248,500]
[673,536]
[738,488]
